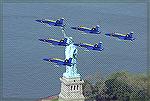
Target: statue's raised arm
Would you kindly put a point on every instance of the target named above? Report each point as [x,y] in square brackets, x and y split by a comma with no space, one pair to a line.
[63,31]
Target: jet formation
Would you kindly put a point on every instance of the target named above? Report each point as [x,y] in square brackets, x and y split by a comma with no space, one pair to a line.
[63,42]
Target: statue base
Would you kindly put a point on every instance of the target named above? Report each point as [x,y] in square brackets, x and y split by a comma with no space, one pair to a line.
[71,89]
[66,75]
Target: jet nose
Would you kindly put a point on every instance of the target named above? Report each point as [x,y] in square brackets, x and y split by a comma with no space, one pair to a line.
[133,39]
[76,44]
[38,20]
[41,39]
[45,59]
[99,32]
[73,27]
[107,34]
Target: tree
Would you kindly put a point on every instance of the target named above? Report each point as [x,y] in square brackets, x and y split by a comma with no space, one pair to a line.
[87,89]
[121,86]
[126,86]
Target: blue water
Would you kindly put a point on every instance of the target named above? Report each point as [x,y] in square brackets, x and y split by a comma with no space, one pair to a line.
[26,75]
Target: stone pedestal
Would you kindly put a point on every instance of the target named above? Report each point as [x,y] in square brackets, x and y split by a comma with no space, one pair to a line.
[71,89]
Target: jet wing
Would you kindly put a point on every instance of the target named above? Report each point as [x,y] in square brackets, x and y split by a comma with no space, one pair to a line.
[45,21]
[115,34]
[61,42]
[53,40]
[118,34]
[83,45]
[49,40]
[81,28]
[50,20]
[55,60]
[87,45]
[84,28]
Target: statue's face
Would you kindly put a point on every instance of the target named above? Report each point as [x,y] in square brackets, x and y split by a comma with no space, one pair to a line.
[70,40]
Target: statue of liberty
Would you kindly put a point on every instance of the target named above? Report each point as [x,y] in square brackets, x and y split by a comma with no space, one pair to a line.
[70,52]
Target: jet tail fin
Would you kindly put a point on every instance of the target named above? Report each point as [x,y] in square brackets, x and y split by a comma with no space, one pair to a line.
[46,59]
[65,40]
[61,20]
[98,28]
[99,45]
[130,34]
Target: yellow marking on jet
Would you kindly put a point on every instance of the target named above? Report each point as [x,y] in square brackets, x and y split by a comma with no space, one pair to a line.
[84,27]
[120,34]
[50,20]
[81,26]
[53,39]
[49,38]
[88,44]
[57,59]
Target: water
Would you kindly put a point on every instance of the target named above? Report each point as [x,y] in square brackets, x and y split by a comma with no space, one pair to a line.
[26,75]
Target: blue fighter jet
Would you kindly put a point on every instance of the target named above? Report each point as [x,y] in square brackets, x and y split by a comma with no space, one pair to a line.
[59,22]
[62,42]
[94,30]
[127,36]
[66,62]
[96,47]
